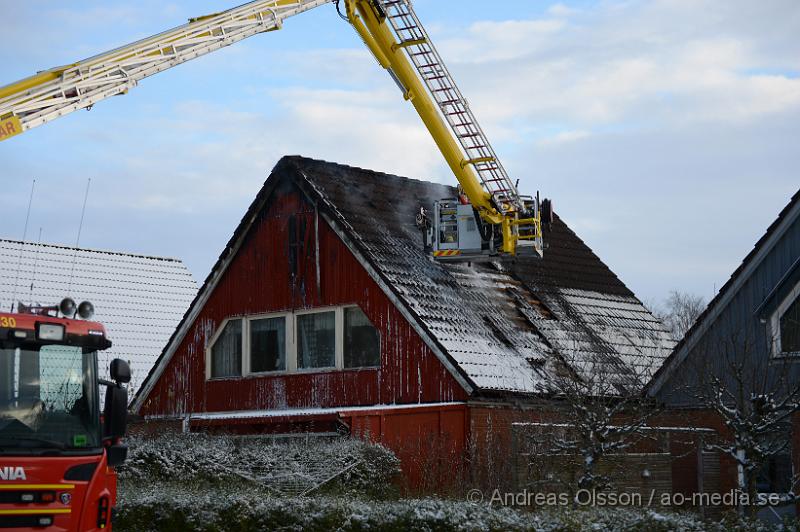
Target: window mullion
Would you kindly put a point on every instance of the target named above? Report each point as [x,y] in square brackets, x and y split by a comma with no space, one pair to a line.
[207,352]
[245,369]
[291,343]
[339,337]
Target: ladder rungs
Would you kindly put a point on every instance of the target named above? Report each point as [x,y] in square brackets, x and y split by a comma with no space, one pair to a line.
[412,37]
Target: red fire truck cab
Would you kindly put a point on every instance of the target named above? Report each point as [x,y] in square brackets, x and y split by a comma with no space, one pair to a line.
[57,452]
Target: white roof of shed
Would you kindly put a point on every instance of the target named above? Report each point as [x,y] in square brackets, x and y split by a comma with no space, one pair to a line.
[139,299]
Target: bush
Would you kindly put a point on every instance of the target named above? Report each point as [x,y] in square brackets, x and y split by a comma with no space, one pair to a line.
[230,509]
[340,466]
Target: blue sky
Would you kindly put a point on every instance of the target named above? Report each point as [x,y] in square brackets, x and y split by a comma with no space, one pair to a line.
[665,131]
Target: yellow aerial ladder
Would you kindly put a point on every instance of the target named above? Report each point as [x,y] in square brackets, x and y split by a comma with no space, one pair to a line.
[489,219]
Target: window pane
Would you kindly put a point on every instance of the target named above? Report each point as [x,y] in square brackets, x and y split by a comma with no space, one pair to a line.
[226,354]
[362,342]
[316,340]
[268,345]
[49,394]
[790,329]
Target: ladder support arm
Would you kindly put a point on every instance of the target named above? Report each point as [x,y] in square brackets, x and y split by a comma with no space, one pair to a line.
[389,54]
[53,93]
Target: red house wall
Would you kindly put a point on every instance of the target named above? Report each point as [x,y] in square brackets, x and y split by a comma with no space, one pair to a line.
[276,270]
[430,442]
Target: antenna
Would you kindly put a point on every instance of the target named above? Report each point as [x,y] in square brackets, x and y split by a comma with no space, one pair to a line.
[22,245]
[35,263]
[78,239]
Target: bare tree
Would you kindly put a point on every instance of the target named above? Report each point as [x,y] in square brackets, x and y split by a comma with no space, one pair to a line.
[755,395]
[605,415]
[679,311]
[608,416]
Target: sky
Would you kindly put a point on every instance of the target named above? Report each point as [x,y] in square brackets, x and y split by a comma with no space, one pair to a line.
[666,132]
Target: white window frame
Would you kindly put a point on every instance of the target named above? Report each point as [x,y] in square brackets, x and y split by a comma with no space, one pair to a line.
[775,322]
[210,345]
[291,343]
[338,331]
[247,355]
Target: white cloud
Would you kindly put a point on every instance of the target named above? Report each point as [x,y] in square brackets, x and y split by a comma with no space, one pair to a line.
[620,110]
[500,41]
[639,63]
[561,10]
[564,136]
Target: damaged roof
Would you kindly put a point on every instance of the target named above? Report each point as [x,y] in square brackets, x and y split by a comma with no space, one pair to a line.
[139,299]
[499,328]
[505,325]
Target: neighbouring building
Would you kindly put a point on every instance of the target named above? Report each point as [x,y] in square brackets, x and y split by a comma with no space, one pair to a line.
[325,315]
[745,345]
[139,299]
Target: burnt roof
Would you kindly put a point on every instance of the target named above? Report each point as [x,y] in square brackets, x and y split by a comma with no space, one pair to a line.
[501,328]
[502,324]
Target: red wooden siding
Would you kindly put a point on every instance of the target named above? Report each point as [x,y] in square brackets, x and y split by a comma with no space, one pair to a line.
[429,441]
[276,270]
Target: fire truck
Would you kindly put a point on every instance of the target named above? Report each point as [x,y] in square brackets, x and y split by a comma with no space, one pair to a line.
[58,448]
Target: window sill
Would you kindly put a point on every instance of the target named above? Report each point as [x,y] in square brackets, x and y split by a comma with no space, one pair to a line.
[266,373]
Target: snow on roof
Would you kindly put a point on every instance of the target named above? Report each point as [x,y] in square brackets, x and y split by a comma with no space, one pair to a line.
[498,328]
[139,299]
[504,325]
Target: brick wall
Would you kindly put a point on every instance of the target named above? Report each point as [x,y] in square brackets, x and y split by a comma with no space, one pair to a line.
[677,441]
[490,443]
[638,479]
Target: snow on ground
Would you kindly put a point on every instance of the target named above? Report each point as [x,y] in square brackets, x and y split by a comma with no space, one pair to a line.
[213,483]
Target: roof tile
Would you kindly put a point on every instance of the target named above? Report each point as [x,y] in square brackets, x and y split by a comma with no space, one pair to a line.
[492,319]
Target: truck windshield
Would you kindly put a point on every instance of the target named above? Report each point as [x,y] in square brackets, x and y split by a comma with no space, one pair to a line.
[48,398]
